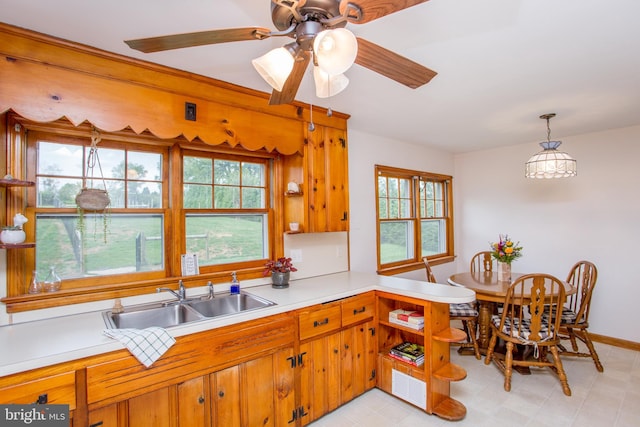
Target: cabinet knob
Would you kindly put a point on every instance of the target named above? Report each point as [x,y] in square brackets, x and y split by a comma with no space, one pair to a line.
[221,393]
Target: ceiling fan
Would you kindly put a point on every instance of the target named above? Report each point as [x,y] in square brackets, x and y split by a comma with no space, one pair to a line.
[317,27]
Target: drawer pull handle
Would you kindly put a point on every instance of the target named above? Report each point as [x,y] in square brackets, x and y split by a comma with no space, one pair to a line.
[317,323]
[356,311]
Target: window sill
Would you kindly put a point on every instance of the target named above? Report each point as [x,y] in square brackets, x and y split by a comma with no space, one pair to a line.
[392,271]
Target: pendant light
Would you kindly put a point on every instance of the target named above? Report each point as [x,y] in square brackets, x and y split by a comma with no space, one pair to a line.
[550,163]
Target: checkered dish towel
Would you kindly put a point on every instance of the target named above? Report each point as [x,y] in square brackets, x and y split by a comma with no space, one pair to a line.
[147,345]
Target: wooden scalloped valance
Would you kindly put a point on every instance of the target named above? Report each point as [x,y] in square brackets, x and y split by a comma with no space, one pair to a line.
[44,79]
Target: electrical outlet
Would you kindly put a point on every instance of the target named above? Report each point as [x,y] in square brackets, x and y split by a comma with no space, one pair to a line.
[296,255]
[190,111]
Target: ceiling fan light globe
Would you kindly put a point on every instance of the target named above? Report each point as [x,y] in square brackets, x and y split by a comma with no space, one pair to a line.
[274,67]
[328,85]
[335,50]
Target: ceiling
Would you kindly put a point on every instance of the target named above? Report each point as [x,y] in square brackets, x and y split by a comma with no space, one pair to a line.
[500,63]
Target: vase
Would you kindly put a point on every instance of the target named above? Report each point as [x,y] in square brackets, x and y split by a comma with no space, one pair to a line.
[280,280]
[504,272]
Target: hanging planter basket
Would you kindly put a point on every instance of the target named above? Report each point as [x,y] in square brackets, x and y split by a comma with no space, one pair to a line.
[92,199]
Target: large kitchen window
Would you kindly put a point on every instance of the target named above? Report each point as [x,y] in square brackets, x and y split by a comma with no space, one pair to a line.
[128,237]
[225,199]
[414,218]
[165,201]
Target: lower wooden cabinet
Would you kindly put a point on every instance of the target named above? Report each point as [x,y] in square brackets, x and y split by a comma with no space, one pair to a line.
[336,367]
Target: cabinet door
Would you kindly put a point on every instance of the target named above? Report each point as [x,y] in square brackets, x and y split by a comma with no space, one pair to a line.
[104,417]
[192,408]
[258,392]
[358,360]
[152,409]
[328,180]
[225,391]
[320,377]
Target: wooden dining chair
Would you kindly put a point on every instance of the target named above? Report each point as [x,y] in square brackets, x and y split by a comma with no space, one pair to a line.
[575,312]
[482,261]
[523,322]
[467,313]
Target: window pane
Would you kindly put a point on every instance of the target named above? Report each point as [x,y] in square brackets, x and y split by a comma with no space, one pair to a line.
[115,189]
[197,196]
[396,241]
[197,170]
[405,208]
[144,166]
[222,239]
[144,195]
[253,174]
[394,208]
[110,161]
[393,187]
[59,159]
[253,198]
[57,192]
[226,197]
[434,239]
[405,188]
[382,208]
[226,172]
[134,243]
[382,186]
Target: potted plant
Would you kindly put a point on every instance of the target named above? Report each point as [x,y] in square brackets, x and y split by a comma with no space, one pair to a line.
[14,234]
[280,270]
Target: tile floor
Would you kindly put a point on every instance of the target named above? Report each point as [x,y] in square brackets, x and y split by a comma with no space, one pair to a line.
[610,399]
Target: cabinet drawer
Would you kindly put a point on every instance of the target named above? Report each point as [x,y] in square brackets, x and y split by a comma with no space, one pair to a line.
[319,319]
[60,389]
[358,308]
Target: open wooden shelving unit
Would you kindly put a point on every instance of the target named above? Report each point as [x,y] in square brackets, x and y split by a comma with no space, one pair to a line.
[437,371]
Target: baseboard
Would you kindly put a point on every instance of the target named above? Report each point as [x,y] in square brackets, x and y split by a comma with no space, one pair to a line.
[617,342]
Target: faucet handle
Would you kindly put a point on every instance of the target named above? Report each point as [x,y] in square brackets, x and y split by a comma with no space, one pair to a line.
[182,291]
[210,287]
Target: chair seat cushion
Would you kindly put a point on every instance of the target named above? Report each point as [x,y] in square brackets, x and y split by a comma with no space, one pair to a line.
[463,310]
[525,331]
[568,317]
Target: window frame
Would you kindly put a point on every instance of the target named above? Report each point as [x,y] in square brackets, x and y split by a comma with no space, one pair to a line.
[135,283]
[414,259]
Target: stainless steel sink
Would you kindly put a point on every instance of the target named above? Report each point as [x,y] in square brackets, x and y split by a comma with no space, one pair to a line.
[229,304]
[155,315]
[173,314]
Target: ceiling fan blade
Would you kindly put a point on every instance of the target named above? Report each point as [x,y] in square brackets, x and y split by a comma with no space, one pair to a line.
[292,84]
[177,41]
[392,65]
[374,9]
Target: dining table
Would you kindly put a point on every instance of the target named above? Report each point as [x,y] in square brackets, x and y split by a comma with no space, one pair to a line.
[489,293]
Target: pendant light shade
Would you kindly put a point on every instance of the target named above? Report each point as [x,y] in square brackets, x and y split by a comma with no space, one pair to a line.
[328,85]
[335,50]
[550,163]
[275,66]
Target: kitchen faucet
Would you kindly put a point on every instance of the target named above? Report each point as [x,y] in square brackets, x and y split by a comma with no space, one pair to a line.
[181,294]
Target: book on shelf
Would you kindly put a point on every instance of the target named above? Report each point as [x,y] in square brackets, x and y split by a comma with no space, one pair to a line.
[409,348]
[414,317]
[410,362]
[409,352]
[416,326]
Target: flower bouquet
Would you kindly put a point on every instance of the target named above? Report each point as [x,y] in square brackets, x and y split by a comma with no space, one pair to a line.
[505,251]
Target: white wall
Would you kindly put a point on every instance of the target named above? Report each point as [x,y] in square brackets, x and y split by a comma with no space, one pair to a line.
[366,151]
[593,216]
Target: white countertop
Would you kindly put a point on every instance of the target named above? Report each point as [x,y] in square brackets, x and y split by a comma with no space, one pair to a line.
[41,343]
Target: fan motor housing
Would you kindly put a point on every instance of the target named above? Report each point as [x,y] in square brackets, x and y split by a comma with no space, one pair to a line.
[311,10]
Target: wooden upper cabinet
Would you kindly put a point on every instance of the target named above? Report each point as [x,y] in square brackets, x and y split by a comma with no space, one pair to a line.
[327,180]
